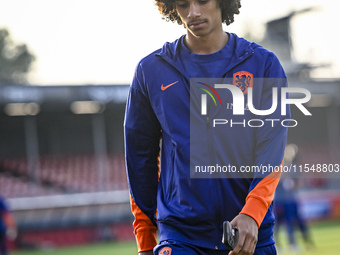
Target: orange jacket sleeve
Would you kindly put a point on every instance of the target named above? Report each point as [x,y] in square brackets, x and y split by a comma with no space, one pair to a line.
[261,196]
[144,230]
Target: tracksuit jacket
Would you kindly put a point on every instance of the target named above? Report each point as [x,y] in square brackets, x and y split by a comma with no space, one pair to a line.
[162,109]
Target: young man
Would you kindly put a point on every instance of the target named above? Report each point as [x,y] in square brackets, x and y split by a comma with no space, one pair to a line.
[189,212]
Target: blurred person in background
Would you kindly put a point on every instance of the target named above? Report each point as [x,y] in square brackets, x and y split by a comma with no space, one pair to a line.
[8,229]
[286,204]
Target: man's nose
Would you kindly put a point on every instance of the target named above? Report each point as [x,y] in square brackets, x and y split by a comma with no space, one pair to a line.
[194,10]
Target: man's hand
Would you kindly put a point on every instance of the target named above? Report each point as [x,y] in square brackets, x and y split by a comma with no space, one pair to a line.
[247,238]
[146,253]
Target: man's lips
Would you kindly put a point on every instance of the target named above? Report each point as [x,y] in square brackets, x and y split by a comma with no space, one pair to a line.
[196,23]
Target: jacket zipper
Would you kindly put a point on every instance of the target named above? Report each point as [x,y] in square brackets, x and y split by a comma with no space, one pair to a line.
[208,125]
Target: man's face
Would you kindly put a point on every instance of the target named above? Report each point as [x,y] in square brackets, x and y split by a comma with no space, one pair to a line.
[200,17]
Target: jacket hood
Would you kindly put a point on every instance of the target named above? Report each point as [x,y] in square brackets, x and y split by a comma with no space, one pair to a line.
[170,50]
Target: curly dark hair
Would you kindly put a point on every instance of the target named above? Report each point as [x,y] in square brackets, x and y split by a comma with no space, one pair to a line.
[229,8]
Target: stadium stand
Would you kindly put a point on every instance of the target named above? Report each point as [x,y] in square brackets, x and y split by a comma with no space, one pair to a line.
[68,174]
[12,187]
[62,164]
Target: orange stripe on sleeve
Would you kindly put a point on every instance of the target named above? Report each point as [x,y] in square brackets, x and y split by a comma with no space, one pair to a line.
[144,230]
[260,198]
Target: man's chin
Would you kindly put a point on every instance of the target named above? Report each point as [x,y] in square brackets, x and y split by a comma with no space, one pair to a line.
[197,34]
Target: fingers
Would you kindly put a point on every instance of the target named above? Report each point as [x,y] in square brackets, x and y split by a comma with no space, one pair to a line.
[247,235]
[246,243]
[249,244]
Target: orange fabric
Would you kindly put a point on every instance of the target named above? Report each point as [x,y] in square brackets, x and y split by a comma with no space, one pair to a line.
[260,198]
[144,230]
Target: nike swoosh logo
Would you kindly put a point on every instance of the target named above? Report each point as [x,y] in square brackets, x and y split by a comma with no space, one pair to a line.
[164,88]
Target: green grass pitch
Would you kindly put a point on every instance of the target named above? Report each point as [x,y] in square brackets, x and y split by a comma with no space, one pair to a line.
[325,235]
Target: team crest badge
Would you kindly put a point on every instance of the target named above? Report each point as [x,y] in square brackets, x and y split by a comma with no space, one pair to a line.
[243,80]
[165,251]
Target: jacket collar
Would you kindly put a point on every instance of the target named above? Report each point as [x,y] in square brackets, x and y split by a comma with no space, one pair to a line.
[243,50]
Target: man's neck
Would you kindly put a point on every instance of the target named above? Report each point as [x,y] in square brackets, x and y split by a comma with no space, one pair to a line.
[206,44]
